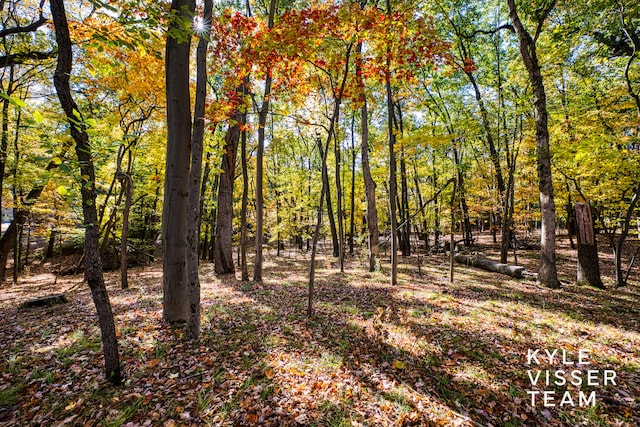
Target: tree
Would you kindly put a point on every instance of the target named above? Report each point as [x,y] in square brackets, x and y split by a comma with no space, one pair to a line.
[195,178]
[547,273]
[93,263]
[262,122]
[176,184]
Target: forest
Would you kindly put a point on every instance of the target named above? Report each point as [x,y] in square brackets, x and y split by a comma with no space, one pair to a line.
[320,213]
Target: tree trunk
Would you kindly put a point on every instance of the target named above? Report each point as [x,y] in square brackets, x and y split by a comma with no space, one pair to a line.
[547,273]
[194,209]
[393,191]
[405,229]
[93,263]
[339,201]
[621,280]
[127,184]
[325,183]
[223,244]
[176,183]
[588,265]
[243,212]
[262,122]
[369,183]
[332,221]
[352,228]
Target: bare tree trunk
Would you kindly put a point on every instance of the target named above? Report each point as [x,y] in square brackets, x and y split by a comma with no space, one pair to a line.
[547,273]
[339,202]
[352,228]
[194,212]
[93,263]
[393,191]
[617,248]
[325,183]
[369,183]
[176,185]
[332,221]
[127,184]
[262,122]
[223,244]
[243,211]
[588,265]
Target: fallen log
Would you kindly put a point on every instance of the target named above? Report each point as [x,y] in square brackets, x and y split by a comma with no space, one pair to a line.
[46,301]
[487,264]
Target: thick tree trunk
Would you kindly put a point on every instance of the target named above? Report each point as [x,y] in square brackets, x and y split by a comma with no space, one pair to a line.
[547,273]
[176,184]
[588,265]
[223,244]
[93,263]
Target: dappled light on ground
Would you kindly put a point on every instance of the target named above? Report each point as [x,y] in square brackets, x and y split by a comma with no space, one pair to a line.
[421,353]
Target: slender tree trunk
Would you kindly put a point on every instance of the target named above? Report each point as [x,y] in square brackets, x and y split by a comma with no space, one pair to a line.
[213,216]
[127,184]
[621,280]
[416,181]
[176,183]
[392,164]
[93,263]
[4,137]
[194,211]
[352,228]
[547,273]
[332,221]
[405,231]
[325,183]
[369,183]
[339,202]
[262,122]
[243,211]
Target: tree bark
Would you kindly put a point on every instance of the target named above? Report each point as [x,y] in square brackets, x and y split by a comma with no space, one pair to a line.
[588,265]
[262,122]
[194,209]
[93,263]
[338,159]
[127,184]
[393,191]
[327,190]
[325,183]
[547,273]
[485,264]
[223,243]
[176,184]
[369,183]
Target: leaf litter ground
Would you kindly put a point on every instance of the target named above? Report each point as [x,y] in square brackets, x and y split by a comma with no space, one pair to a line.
[420,353]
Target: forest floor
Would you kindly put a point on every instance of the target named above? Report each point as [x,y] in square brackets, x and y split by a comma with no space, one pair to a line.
[424,352]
